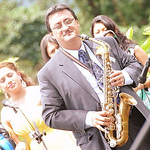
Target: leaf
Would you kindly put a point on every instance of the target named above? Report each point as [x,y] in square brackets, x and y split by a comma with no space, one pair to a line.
[11,59]
[146,44]
[129,33]
[146,31]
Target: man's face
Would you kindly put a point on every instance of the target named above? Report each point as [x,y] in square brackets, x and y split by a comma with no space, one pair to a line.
[64,28]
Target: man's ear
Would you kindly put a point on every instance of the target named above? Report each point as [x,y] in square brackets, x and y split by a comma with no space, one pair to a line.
[77,23]
[52,35]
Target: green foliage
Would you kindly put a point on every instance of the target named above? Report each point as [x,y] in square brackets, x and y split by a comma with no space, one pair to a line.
[11,59]
[146,31]
[129,33]
[125,13]
[24,29]
[146,43]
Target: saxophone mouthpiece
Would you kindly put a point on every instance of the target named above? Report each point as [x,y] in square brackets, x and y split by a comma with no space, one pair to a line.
[84,37]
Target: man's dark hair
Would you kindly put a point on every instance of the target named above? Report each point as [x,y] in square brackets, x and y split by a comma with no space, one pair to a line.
[54,9]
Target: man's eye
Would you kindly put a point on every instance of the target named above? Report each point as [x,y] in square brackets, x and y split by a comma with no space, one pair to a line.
[68,22]
[58,26]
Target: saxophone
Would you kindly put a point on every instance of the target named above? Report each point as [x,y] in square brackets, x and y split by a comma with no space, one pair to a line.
[117,134]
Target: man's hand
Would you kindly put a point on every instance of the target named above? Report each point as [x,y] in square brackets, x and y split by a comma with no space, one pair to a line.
[102,118]
[117,78]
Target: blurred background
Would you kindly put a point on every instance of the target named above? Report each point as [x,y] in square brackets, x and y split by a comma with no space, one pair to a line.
[22,25]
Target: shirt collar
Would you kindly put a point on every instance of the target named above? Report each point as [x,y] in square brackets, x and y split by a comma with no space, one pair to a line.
[75,52]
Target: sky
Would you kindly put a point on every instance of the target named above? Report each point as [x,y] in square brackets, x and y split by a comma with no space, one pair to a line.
[26,3]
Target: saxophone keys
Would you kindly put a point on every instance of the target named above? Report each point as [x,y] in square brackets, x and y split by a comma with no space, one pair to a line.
[112,143]
[111,111]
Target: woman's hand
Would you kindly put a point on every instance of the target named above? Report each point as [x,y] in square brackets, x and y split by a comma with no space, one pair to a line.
[140,86]
[21,146]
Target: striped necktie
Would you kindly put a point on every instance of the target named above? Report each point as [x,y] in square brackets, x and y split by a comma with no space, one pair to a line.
[97,71]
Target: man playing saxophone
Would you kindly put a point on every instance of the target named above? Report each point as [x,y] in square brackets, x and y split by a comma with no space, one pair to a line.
[72,85]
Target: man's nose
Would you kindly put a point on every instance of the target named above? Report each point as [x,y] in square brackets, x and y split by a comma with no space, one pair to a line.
[64,26]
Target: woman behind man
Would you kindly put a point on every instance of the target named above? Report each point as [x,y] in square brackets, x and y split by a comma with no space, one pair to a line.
[102,25]
[48,47]
[23,93]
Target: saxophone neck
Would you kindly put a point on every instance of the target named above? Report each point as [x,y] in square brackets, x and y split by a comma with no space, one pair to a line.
[98,41]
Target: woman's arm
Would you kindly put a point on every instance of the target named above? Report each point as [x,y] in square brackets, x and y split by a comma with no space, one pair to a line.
[5,120]
[140,55]
[141,86]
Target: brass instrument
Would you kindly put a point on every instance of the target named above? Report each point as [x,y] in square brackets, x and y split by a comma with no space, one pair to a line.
[118,132]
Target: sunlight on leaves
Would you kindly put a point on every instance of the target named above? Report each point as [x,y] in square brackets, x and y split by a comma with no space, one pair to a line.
[146,31]
[146,44]
[11,59]
[129,33]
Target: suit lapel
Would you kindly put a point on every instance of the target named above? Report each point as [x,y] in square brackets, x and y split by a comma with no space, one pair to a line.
[70,69]
[93,47]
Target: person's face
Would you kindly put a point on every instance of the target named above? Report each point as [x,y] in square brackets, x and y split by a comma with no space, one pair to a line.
[64,28]
[51,48]
[99,29]
[9,79]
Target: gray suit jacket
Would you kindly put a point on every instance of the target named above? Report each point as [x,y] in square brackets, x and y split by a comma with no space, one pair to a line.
[66,95]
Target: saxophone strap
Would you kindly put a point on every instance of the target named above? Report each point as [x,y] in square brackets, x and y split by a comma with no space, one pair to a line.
[76,60]
[81,64]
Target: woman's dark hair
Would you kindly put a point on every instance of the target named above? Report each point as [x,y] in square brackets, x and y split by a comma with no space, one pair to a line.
[44,42]
[54,9]
[124,43]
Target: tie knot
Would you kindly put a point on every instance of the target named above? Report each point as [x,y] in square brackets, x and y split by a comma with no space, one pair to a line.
[82,55]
